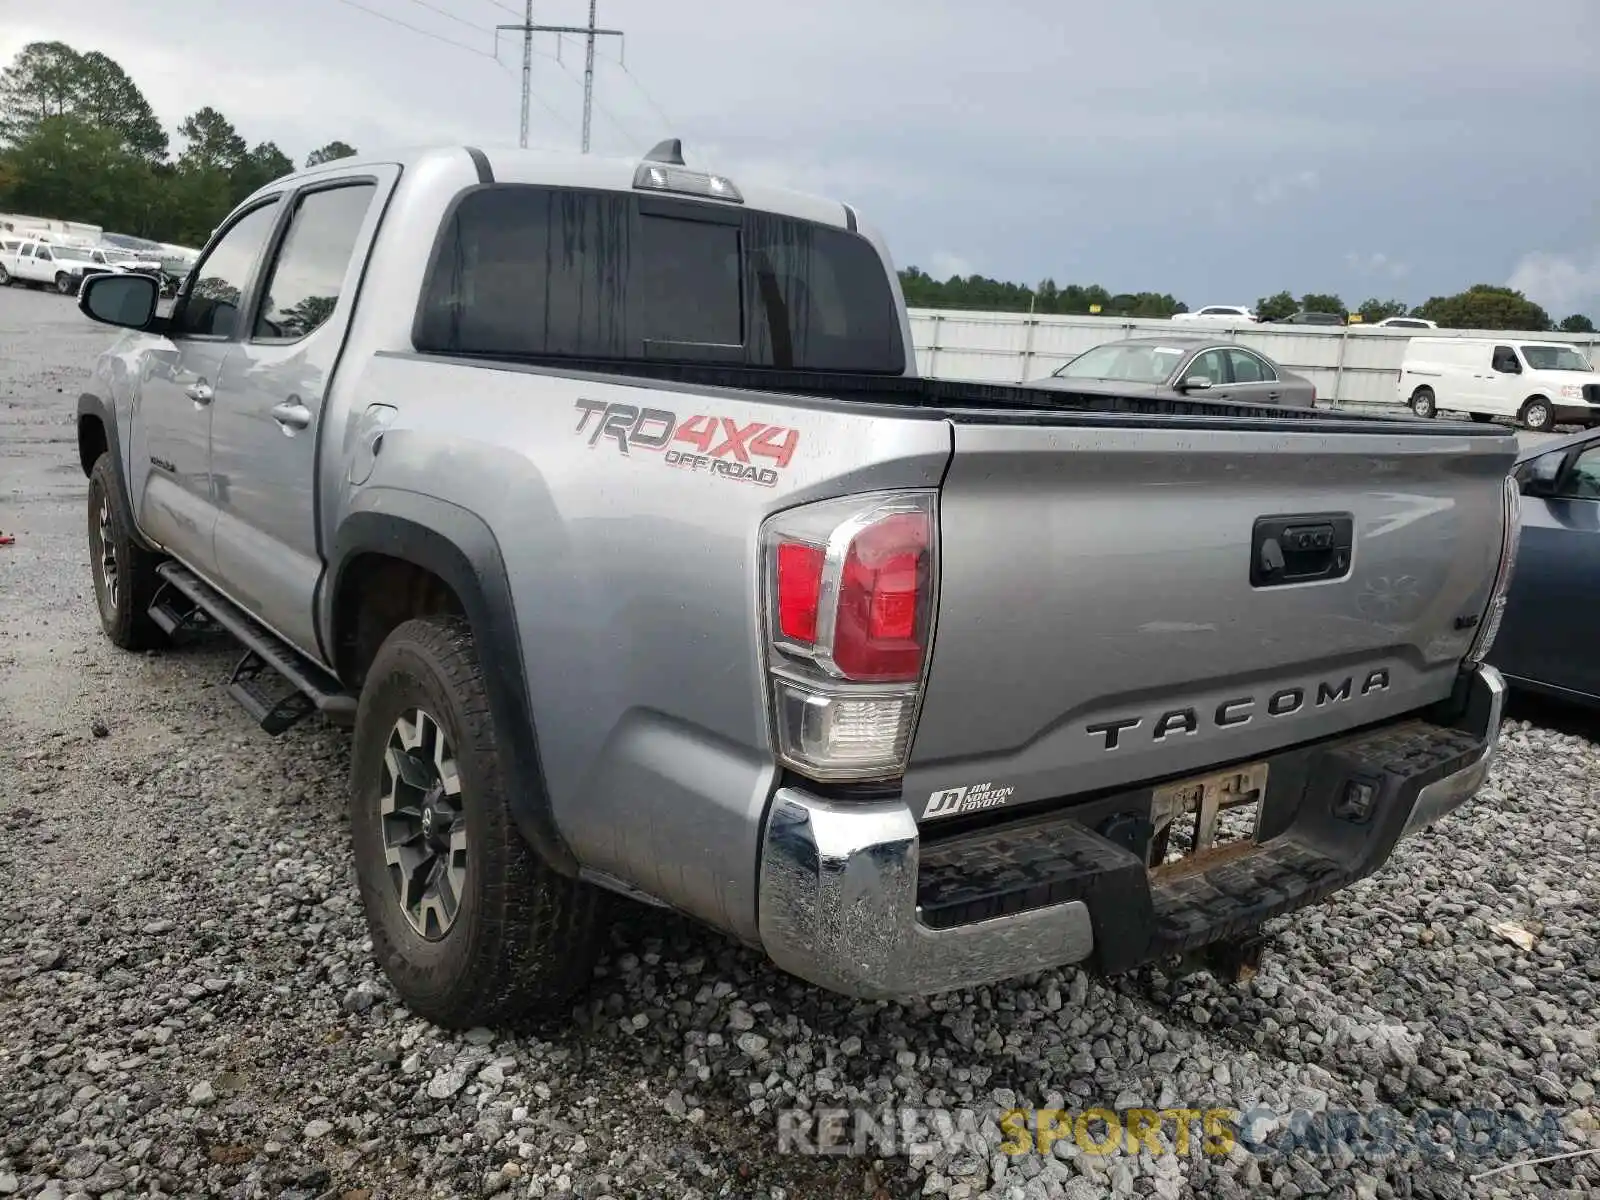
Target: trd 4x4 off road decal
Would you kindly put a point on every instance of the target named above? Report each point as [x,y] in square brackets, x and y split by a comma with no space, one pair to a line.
[721,446]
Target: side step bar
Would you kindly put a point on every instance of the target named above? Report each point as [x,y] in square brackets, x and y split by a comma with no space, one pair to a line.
[185,601]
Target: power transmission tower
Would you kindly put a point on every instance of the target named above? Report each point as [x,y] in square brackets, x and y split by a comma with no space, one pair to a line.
[590,31]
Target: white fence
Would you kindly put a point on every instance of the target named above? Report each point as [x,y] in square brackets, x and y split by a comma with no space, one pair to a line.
[1350,364]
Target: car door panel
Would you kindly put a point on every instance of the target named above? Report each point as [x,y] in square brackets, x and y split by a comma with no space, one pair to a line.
[179,373]
[1546,635]
[266,428]
[1253,380]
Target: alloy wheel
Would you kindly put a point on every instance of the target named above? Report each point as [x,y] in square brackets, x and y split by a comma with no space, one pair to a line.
[424,827]
[105,557]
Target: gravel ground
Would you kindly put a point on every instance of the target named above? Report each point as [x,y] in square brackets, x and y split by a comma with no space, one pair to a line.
[187,1004]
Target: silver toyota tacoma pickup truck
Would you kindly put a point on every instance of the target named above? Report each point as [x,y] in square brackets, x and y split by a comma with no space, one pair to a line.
[602,499]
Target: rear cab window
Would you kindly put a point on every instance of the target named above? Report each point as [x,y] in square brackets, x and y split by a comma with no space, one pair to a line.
[524,271]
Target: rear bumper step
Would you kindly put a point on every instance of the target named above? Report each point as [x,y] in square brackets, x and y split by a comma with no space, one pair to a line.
[851,899]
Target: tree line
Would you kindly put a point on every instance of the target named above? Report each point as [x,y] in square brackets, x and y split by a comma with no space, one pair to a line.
[79,142]
[1482,306]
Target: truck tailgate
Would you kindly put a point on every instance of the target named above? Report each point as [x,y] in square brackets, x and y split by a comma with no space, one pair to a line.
[1098,624]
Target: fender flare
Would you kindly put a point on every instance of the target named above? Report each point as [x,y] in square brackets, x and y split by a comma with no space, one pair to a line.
[457,546]
[90,405]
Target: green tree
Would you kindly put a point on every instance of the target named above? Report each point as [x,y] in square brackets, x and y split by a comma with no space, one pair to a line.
[1276,307]
[78,171]
[51,79]
[213,143]
[1381,310]
[259,167]
[329,153]
[1321,302]
[40,83]
[992,295]
[1576,323]
[1485,306]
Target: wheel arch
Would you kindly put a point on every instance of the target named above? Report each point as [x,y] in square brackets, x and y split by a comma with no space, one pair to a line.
[97,435]
[456,548]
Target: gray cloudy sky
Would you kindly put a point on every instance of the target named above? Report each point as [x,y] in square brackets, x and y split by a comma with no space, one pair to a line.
[1218,151]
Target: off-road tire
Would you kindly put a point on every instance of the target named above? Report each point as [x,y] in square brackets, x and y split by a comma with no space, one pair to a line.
[1422,402]
[124,607]
[524,939]
[64,283]
[1532,408]
[5,276]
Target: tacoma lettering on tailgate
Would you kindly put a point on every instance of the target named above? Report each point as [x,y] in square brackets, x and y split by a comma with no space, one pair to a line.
[1242,710]
[719,446]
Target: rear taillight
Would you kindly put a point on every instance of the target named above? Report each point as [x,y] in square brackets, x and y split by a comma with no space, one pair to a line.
[1510,539]
[848,590]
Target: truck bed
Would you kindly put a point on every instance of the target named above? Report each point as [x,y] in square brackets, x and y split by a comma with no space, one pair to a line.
[958,400]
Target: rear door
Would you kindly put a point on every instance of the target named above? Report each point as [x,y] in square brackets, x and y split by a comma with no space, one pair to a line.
[269,407]
[1253,379]
[169,456]
[1102,619]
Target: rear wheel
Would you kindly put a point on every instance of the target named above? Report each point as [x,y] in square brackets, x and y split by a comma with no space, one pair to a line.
[5,276]
[470,926]
[125,579]
[1422,402]
[1537,414]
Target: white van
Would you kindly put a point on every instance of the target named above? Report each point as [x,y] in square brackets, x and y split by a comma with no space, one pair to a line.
[1539,383]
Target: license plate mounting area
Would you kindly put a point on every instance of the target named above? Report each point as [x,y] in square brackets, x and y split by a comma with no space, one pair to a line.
[1200,822]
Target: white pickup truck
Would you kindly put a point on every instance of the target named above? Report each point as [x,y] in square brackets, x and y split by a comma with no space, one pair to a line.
[62,266]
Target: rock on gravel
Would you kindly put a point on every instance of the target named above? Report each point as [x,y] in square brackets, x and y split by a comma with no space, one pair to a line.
[188,1003]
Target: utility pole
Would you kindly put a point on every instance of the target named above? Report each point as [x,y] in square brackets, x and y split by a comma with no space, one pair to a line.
[527,69]
[590,31]
[588,79]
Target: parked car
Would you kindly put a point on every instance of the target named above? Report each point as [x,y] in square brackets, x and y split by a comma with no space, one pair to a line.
[1225,314]
[1184,366]
[1546,640]
[1541,384]
[63,266]
[1405,323]
[602,499]
[1312,318]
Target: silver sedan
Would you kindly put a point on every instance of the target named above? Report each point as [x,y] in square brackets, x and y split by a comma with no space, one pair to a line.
[1183,366]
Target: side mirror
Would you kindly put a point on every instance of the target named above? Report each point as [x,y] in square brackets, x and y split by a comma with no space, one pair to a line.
[1195,383]
[125,300]
[1538,477]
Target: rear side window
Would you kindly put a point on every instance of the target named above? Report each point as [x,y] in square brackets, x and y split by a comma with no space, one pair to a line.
[536,272]
[304,283]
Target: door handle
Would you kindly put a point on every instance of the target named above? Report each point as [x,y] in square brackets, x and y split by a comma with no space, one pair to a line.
[200,393]
[292,415]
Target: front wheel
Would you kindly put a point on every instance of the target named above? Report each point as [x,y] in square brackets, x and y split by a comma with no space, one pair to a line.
[1422,402]
[470,926]
[64,284]
[125,579]
[1537,415]
[5,276]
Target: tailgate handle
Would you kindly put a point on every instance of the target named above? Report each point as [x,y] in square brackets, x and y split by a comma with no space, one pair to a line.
[1301,548]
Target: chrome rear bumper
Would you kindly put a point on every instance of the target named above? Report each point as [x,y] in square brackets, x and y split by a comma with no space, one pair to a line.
[1439,799]
[838,887]
[839,908]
